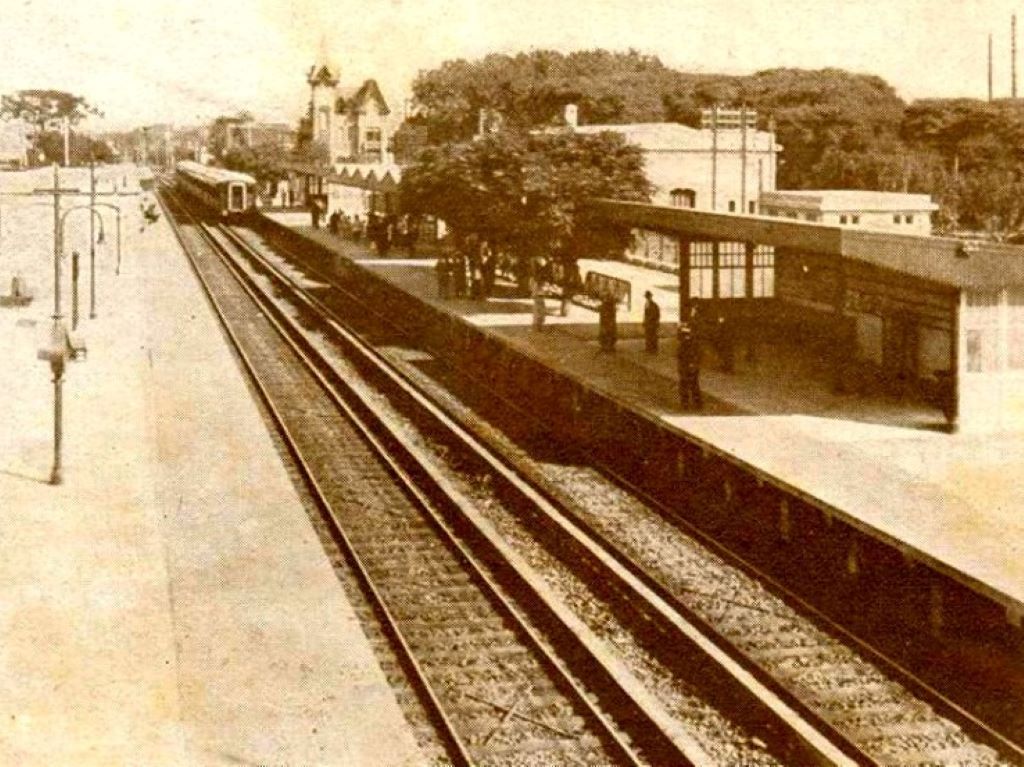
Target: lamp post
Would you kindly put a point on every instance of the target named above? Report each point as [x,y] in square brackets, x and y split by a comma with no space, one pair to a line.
[102,236]
[58,350]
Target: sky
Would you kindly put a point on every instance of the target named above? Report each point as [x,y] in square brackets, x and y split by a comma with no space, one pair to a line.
[187,61]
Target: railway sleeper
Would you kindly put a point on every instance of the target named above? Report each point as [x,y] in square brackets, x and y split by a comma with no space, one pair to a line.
[876,735]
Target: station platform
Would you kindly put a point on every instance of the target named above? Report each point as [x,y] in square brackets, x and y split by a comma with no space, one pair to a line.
[170,603]
[950,501]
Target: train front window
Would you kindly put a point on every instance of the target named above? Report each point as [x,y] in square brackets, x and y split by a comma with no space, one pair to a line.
[237,197]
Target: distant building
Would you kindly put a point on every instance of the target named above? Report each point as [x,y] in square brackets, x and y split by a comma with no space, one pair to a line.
[14,145]
[876,211]
[722,168]
[227,133]
[355,124]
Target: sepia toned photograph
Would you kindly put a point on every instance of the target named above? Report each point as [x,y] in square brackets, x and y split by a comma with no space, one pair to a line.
[511,383]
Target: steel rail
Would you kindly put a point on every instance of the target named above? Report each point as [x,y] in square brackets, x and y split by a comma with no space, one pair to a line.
[608,735]
[810,734]
[947,708]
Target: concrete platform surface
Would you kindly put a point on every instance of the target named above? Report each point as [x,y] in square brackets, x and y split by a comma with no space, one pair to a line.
[950,500]
[170,602]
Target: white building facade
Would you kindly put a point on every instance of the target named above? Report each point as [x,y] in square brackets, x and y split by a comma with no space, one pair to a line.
[724,167]
[354,124]
[896,212]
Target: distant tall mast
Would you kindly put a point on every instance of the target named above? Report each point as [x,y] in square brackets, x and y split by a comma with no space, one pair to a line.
[990,66]
[1013,56]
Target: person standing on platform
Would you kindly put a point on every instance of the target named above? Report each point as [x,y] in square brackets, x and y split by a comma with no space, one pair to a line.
[540,310]
[726,344]
[652,320]
[607,333]
[459,276]
[314,212]
[444,277]
[688,367]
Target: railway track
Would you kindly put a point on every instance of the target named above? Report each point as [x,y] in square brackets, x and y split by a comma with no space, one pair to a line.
[498,694]
[873,711]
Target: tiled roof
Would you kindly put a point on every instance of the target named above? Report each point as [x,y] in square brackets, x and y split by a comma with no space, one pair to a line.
[352,99]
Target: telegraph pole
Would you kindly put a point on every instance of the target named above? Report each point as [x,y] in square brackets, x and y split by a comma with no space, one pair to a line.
[67,143]
[92,236]
[714,156]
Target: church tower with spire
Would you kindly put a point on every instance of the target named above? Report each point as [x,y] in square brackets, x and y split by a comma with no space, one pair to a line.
[323,80]
[353,124]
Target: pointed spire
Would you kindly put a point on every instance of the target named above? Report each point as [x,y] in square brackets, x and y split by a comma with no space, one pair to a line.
[323,71]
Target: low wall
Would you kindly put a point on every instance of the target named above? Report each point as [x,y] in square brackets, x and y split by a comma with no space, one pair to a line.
[833,555]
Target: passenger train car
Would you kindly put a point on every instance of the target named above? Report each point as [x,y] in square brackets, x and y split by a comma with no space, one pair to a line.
[225,193]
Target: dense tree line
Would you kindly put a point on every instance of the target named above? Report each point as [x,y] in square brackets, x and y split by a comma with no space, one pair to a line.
[838,129]
[524,195]
[47,112]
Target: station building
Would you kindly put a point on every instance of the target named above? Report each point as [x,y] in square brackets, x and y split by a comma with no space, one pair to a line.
[357,189]
[878,211]
[724,167]
[14,145]
[355,126]
[911,316]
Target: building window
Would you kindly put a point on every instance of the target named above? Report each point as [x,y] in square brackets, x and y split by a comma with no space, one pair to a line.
[842,219]
[909,219]
[896,219]
[811,216]
[732,206]
[732,275]
[683,198]
[854,219]
[764,271]
[702,265]
[792,214]
[752,207]
[373,134]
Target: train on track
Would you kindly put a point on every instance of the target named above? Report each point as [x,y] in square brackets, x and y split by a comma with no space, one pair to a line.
[225,193]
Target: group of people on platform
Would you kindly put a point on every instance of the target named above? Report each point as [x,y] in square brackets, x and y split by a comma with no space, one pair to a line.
[382,231]
[470,269]
[472,277]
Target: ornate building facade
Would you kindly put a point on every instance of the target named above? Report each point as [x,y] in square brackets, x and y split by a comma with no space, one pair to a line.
[354,124]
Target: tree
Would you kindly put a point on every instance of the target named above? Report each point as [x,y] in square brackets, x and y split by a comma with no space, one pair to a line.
[82,148]
[45,110]
[531,90]
[264,162]
[527,193]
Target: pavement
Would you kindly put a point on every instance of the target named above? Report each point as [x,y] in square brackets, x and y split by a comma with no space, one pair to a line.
[950,500]
[169,603]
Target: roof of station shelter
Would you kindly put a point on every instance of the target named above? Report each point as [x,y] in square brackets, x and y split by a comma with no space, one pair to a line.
[942,260]
[375,177]
[378,177]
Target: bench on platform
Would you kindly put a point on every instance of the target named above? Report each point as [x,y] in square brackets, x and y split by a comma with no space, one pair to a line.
[596,285]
